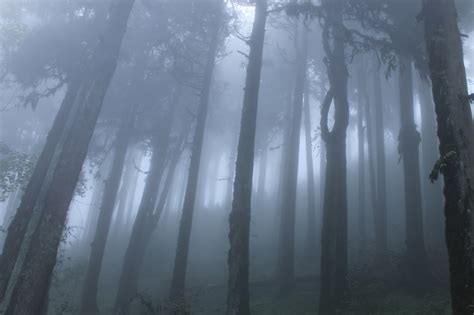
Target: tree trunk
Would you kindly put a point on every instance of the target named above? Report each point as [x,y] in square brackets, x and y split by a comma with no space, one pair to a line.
[454,117]
[125,193]
[286,261]
[27,289]
[311,234]
[239,220]
[370,152]
[361,168]
[89,293]
[408,147]
[334,230]
[136,248]
[182,248]
[35,188]
[381,250]
[432,192]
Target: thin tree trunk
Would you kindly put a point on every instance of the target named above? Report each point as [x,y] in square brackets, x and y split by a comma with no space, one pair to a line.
[124,193]
[89,293]
[238,257]
[381,250]
[286,261]
[311,234]
[136,248]
[182,248]
[27,289]
[361,169]
[408,147]
[334,230]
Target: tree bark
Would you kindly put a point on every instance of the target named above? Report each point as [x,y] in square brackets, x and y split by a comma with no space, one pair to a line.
[27,289]
[408,147]
[89,293]
[334,230]
[286,261]
[432,192]
[454,117]
[239,220]
[182,248]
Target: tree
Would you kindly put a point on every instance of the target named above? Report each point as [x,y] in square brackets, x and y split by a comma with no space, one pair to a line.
[408,147]
[89,293]
[239,220]
[334,229]
[286,261]
[27,293]
[450,94]
[184,236]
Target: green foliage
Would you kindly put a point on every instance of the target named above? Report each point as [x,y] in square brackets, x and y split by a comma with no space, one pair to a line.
[15,170]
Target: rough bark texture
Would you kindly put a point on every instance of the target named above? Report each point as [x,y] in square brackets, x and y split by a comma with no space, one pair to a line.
[381,209]
[286,257]
[184,236]
[408,148]
[448,77]
[89,293]
[334,230]
[238,258]
[28,287]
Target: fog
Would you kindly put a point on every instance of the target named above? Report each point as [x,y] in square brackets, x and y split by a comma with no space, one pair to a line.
[236,157]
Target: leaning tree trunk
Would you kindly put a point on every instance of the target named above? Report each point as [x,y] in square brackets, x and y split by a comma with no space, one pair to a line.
[408,147]
[89,293]
[286,257]
[184,236]
[311,234]
[454,117]
[136,248]
[28,286]
[35,188]
[334,230]
[432,192]
[239,220]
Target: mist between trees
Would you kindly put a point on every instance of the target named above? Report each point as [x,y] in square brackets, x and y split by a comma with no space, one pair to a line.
[236,157]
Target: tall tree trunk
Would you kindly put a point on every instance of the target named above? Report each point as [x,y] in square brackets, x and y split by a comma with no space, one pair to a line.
[27,289]
[454,117]
[182,248]
[136,248]
[334,230]
[286,258]
[370,151]
[381,254]
[361,168]
[89,293]
[432,192]
[262,174]
[311,234]
[125,193]
[239,220]
[408,147]
[35,188]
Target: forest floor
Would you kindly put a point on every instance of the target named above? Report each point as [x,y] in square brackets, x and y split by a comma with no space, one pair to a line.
[367,295]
